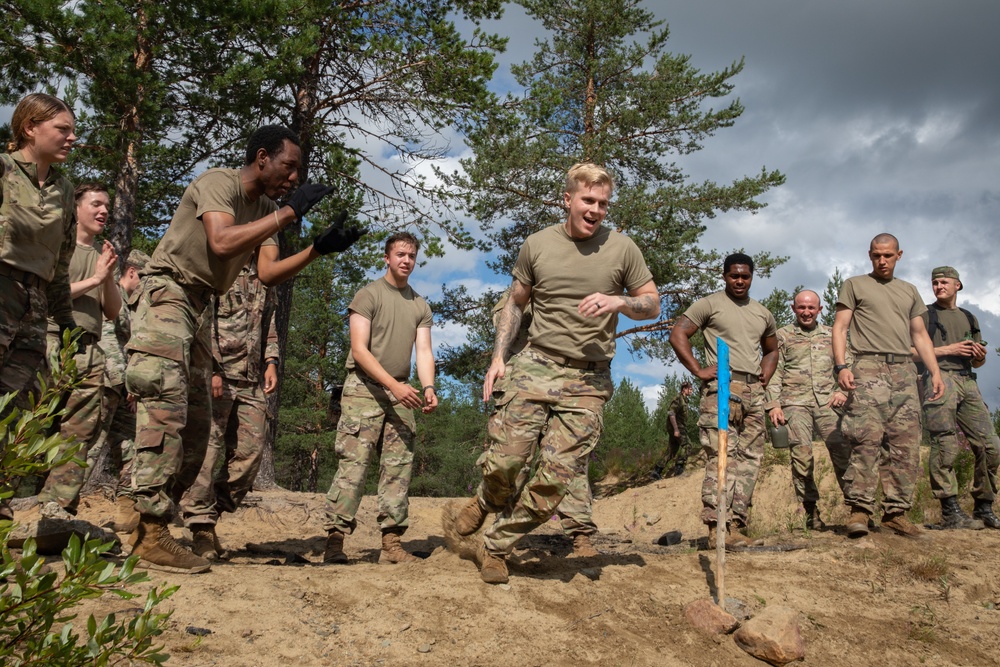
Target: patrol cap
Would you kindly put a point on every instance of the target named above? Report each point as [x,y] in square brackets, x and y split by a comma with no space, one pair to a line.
[138,259]
[946,272]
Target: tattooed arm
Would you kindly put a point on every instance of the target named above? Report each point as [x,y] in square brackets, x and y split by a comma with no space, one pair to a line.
[639,304]
[507,328]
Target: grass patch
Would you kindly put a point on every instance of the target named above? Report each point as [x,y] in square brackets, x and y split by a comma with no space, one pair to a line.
[932,568]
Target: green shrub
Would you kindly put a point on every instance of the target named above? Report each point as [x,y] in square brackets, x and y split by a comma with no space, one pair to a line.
[36,603]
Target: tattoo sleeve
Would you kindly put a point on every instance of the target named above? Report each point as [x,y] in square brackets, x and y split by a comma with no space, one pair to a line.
[641,307]
[507,328]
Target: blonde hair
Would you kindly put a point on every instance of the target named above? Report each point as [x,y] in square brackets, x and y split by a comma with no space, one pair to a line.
[588,173]
[34,108]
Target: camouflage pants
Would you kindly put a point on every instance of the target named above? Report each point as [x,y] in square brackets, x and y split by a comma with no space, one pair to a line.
[745,448]
[22,335]
[80,424]
[169,372]
[22,345]
[118,433]
[576,511]
[542,404]
[370,414]
[239,424]
[882,425]
[961,406]
[804,423]
[678,450]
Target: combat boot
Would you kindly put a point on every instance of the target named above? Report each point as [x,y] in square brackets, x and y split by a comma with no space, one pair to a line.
[158,550]
[899,524]
[471,518]
[736,537]
[857,524]
[953,517]
[334,553]
[206,543]
[393,552]
[984,512]
[582,547]
[813,519]
[127,519]
[492,569]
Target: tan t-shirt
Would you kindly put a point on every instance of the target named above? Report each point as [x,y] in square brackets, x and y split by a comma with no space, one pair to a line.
[395,314]
[956,328]
[88,308]
[742,324]
[184,253]
[561,271]
[882,313]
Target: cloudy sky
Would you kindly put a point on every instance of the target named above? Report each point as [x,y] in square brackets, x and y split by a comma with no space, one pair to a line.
[883,116]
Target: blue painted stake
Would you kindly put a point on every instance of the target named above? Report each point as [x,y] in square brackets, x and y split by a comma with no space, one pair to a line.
[721,498]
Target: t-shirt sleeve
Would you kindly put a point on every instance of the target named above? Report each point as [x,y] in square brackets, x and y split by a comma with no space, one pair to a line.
[523,271]
[426,317]
[270,241]
[699,313]
[637,273]
[847,298]
[918,308]
[214,193]
[771,328]
[363,304]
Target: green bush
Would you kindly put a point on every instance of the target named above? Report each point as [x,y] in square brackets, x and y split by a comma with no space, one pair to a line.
[36,603]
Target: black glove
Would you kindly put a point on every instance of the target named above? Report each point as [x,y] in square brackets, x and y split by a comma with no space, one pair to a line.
[307,196]
[337,239]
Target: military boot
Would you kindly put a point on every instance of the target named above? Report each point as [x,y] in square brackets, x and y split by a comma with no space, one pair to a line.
[158,550]
[899,524]
[334,553]
[736,537]
[393,552]
[492,569]
[206,543]
[984,512]
[583,548]
[857,524]
[813,519]
[953,517]
[127,519]
[471,518]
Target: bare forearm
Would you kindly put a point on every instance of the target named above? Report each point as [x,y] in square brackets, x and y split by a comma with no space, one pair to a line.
[641,307]
[507,328]
[275,272]
[232,240]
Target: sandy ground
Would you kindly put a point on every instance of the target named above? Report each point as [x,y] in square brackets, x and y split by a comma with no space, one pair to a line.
[880,600]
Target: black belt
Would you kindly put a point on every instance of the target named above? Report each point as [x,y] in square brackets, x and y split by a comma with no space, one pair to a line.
[745,378]
[23,277]
[965,373]
[887,358]
[572,363]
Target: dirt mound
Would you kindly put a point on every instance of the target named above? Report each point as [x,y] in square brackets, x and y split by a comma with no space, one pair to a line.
[879,600]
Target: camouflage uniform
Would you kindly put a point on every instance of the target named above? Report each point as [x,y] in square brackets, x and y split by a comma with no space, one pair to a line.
[170,351]
[743,324]
[82,419]
[370,413]
[566,406]
[882,415]
[550,401]
[576,511]
[239,416]
[677,447]
[802,386]
[118,430]
[37,241]
[962,406]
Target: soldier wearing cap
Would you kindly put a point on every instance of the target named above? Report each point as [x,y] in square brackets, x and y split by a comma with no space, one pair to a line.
[882,415]
[118,429]
[959,349]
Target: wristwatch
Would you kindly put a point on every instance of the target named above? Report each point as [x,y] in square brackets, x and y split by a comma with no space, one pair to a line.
[839,367]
